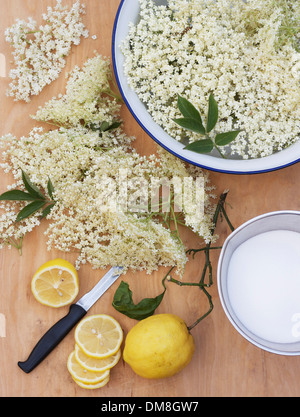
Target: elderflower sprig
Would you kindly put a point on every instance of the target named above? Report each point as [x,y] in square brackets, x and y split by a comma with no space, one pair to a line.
[39,51]
[90,99]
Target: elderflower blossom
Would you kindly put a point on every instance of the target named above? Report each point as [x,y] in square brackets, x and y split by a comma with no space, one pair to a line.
[39,51]
[87,97]
[242,52]
[77,167]
[86,167]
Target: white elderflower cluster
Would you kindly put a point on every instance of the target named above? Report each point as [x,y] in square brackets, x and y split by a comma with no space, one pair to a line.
[97,180]
[245,53]
[39,51]
[81,171]
[88,97]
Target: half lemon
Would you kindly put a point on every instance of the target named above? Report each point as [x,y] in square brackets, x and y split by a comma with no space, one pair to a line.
[55,283]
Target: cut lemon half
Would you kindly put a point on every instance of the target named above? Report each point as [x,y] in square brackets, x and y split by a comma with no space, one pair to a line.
[94,364]
[55,283]
[83,375]
[99,336]
[92,386]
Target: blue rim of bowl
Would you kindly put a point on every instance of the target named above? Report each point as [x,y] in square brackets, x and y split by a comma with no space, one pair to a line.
[155,139]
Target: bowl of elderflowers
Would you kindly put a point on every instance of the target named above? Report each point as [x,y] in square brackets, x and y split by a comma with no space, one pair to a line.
[214,82]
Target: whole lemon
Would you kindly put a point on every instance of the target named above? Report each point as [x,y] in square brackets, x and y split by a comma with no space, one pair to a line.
[159,346]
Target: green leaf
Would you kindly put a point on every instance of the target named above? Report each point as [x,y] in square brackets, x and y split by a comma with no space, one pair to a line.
[105,126]
[31,188]
[29,210]
[16,195]
[190,124]
[50,189]
[188,109]
[201,146]
[223,139]
[213,114]
[108,127]
[123,303]
[47,210]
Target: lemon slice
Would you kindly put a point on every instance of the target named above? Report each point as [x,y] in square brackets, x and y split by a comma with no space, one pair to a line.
[94,364]
[55,283]
[99,336]
[83,375]
[92,386]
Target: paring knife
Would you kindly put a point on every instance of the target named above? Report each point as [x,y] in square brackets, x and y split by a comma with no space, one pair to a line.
[77,311]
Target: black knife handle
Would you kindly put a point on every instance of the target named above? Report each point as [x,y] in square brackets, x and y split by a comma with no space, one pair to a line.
[52,338]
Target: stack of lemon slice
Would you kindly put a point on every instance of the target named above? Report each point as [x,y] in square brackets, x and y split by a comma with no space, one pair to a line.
[98,340]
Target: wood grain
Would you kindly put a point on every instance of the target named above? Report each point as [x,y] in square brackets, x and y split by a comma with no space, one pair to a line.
[224,363]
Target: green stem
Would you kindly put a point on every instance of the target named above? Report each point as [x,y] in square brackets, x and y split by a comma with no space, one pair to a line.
[219,208]
[32,31]
[211,307]
[207,266]
[219,150]
[111,80]
[184,284]
[16,244]
[113,95]
[226,218]
[194,251]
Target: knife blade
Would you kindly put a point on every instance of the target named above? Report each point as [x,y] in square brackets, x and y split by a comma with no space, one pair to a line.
[60,329]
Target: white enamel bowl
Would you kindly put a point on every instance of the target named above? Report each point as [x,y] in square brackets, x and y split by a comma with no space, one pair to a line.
[274,221]
[129,12]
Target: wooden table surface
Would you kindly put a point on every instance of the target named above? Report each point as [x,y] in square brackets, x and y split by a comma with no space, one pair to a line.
[224,363]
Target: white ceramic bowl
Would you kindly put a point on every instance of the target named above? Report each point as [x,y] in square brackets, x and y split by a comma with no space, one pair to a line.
[275,221]
[129,12]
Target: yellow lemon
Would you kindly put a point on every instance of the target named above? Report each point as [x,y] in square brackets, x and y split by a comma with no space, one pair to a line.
[94,364]
[55,283]
[159,346]
[82,375]
[99,336]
